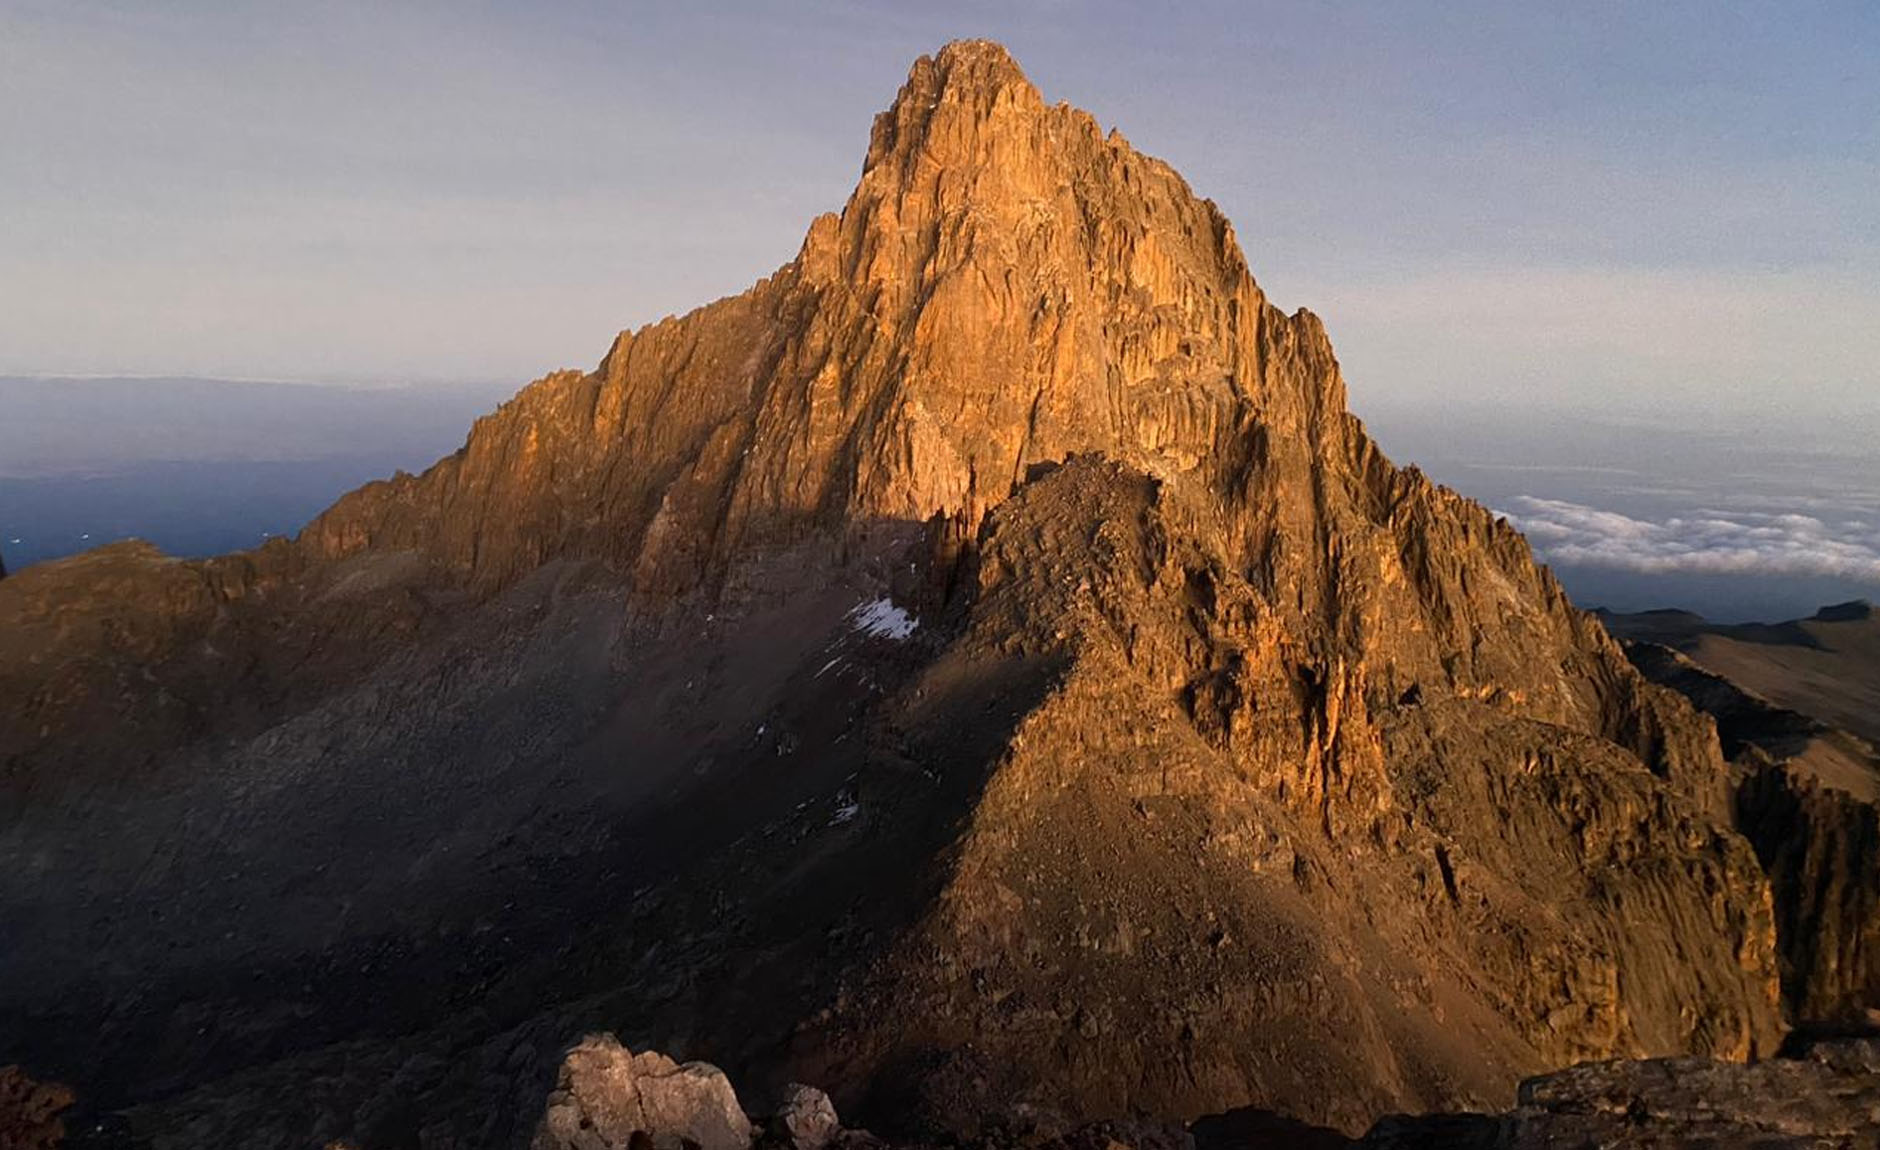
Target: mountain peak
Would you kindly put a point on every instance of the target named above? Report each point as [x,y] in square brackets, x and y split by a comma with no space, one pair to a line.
[976,61]
[966,88]
[974,73]
[1222,762]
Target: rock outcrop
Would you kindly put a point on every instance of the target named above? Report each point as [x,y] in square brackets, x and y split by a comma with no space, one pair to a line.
[1808,801]
[1821,849]
[1827,1099]
[30,1111]
[1216,836]
[1823,1096]
[805,1119]
[609,1098]
[983,666]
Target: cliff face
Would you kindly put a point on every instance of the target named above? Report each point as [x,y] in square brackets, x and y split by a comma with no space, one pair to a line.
[1215,865]
[1821,848]
[1385,715]
[1806,801]
[1262,771]
[1006,287]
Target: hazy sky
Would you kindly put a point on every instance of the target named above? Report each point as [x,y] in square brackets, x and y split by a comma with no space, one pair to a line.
[1664,205]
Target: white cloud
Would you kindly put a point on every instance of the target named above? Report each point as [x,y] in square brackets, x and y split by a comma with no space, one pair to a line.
[1575,535]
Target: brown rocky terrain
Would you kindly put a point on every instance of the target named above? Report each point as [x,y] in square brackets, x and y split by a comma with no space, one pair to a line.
[29,1112]
[984,666]
[1822,1097]
[1826,666]
[1809,795]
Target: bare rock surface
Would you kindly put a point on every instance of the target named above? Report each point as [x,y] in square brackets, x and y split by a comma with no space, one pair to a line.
[1826,666]
[1831,1096]
[982,669]
[1807,799]
[805,1119]
[1181,871]
[1823,1095]
[607,1095]
[1828,1099]
[30,1111]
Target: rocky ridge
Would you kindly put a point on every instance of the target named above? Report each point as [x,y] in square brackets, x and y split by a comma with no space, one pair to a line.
[1808,801]
[1219,761]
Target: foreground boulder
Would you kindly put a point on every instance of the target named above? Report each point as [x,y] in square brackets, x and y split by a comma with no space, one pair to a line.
[1824,1094]
[29,1109]
[607,1097]
[805,1118]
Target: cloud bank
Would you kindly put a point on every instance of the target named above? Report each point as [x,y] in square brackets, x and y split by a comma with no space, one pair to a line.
[1741,542]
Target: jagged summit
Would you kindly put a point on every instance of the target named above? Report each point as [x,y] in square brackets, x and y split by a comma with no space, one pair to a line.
[973,91]
[1004,287]
[984,63]
[954,107]
[1217,760]
[978,74]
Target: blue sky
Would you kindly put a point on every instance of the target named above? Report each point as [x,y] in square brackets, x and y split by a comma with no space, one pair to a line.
[1652,207]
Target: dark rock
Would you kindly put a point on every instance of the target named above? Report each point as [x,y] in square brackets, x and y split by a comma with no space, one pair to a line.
[30,1111]
[1439,1132]
[1806,801]
[1821,849]
[1251,1128]
[1853,611]
[1828,1099]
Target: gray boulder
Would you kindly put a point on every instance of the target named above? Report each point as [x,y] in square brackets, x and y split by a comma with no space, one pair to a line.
[805,1118]
[606,1094]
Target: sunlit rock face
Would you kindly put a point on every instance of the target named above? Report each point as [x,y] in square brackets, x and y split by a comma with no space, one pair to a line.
[1185,753]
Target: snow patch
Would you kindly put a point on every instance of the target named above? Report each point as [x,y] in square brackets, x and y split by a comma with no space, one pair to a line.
[845,812]
[881,619]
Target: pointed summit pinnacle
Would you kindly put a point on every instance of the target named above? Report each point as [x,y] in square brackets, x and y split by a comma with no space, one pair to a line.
[984,65]
[1199,652]
[964,89]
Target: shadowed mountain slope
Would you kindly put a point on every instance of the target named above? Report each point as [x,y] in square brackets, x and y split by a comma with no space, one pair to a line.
[984,663]
[1826,666]
[1809,800]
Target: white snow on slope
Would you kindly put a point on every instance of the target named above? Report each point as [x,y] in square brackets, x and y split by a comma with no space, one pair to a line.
[881,619]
